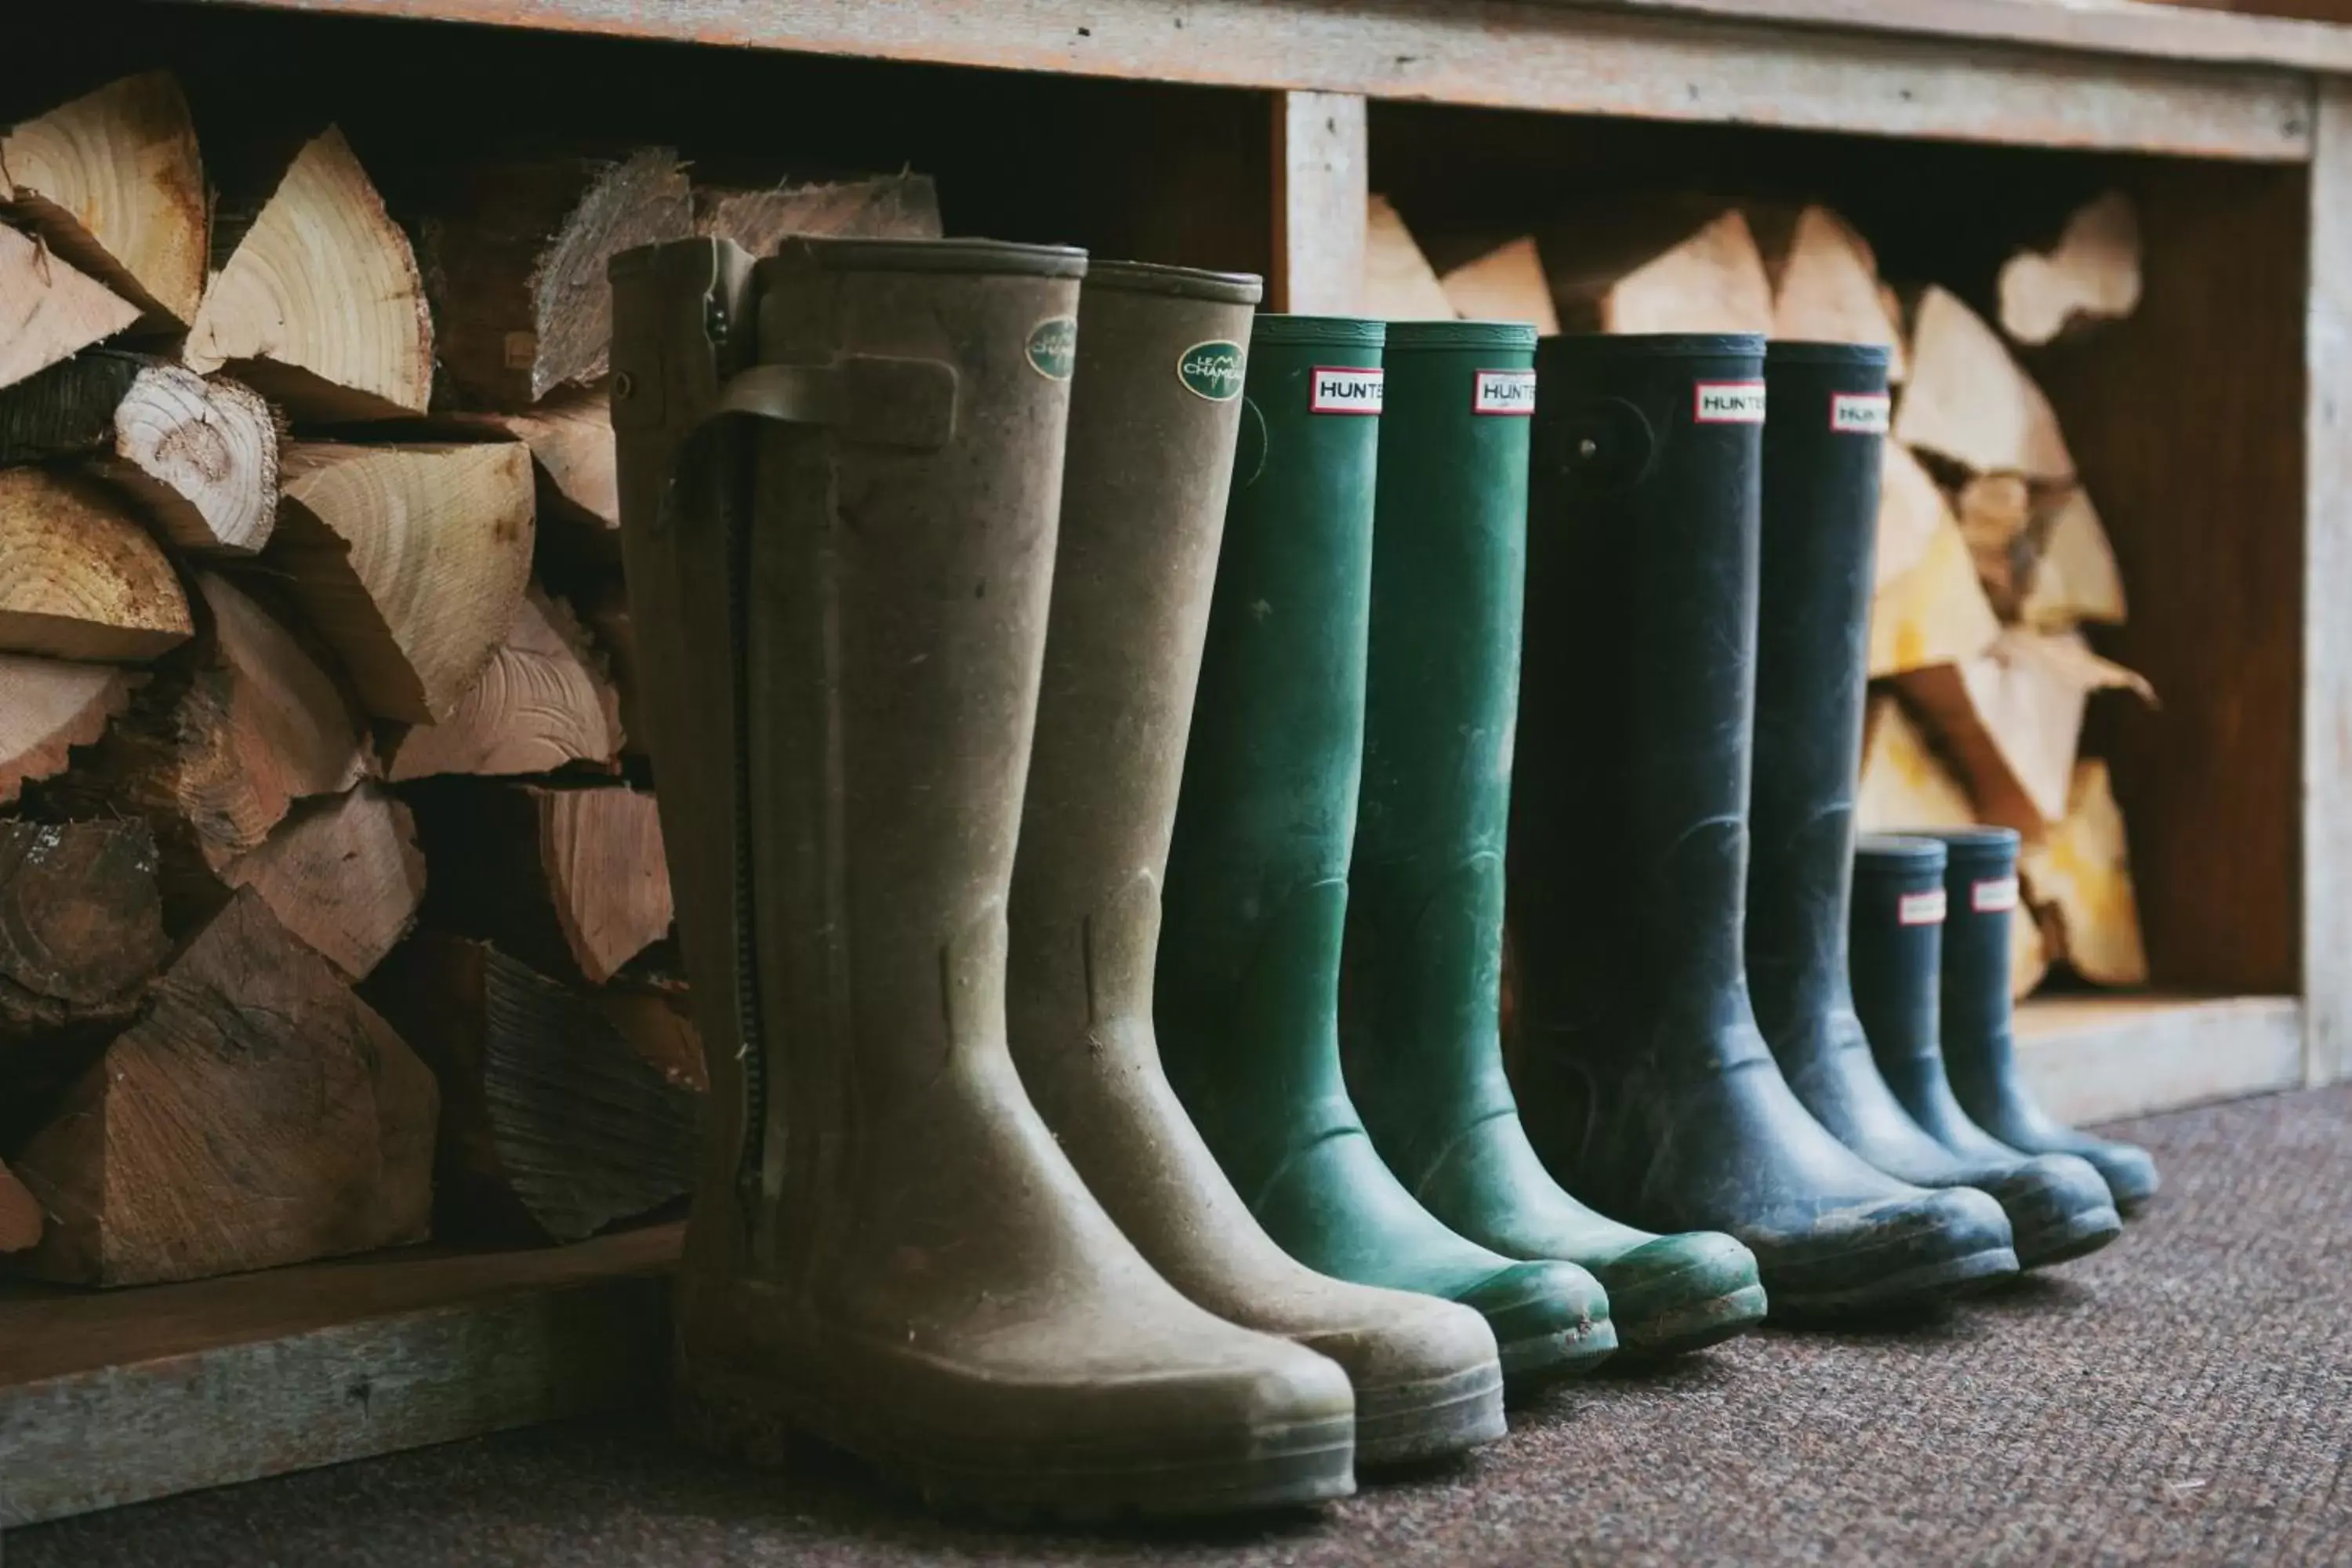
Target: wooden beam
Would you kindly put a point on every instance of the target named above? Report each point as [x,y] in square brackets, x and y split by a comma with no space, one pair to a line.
[2098,1057]
[2327,627]
[1322,169]
[1711,61]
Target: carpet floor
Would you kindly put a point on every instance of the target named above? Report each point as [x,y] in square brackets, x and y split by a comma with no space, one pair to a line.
[2184,1397]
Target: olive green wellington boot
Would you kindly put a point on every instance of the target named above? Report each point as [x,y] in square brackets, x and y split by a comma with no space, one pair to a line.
[1644,1083]
[841,474]
[1153,413]
[1419,1025]
[1247,1003]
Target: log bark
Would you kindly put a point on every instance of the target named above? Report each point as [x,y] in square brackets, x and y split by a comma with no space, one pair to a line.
[1658,267]
[553,1126]
[49,308]
[1825,280]
[2092,275]
[888,206]
[2079,880]
[114,183]
[343,874]
[409,559]
[20,1216]
[1398,283]
[514,265]
[81,926]
[1934,614]
[2074,576]
[2011,719]
[659,1023]
[573,882]
[543,701]
[47,707]
[1506,284]
[1968,401]
[79,578]
[258,1114]
[1904,785]
[320,305]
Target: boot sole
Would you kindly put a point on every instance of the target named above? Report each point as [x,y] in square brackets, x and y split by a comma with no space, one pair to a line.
[1436,1418]
[2064,1243]
[1927,1283]
[1692,1328]
[1290,1467]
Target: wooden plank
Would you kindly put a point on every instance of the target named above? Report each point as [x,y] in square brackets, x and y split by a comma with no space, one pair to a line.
[2326,620]
[1517,54]
[2092,1058]
[119,1398]
[1322,171]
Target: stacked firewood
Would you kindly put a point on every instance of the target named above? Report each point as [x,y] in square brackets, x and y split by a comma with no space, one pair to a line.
[333,910]
[1992,559]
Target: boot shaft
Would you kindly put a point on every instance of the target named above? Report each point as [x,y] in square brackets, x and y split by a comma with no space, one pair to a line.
[1820,520]
[1981,897]
[1154,414]
[1636,707]
[1897,951]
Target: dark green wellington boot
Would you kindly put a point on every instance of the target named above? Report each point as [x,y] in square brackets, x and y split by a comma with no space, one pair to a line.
[841,473]
[2058,1207]
[1821,454]
[1418,1016]
[1153,413]
[1980,1052]
[1257,879]
[1642,1077]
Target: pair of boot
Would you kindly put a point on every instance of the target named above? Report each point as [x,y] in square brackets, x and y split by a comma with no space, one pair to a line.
[919,639]
[1688,1052]
[1344,807]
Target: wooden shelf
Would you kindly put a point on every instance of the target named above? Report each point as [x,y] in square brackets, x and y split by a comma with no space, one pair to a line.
[2098,1058]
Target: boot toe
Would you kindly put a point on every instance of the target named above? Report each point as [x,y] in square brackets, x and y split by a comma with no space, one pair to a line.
[1884,1255]
[2058,1207]
[1550,1320]
[1679,1293]
[1427,1380]
[2128,1169]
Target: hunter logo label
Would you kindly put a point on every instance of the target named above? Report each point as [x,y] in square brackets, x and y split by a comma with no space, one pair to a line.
[1860,412]
[1994,894]
[1211,370]
[1728,402]
[1334,389]
[1504,392]
[1053,347]
[1920,909]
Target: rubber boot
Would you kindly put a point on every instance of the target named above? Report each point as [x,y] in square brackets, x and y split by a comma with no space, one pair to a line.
[1641,1076]
[1257,879]
[1419,1014]
[1821,454]
[2058,1207]
[1978,1049]
[839,558]
[1153,413]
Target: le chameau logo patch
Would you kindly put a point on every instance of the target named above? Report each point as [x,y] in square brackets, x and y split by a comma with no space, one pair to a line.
[1053,347]
[1211,370]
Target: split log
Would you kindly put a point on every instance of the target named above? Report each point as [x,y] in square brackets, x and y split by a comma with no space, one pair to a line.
[2079,880]
[258,1114]
[1968,401]
[515,262]
[553,1126]
[2012,719]
[1934,614]
[606,614]
[47,707]
[50,309]
[1506,284]
[79,578]
[659,1024]
[1398,283]
[888,206]
[320,305]
[1996,517]
[20,1216]
[1904,785]
[2029,954]
[114,183]
[1824,279]
[214,755]
[409,561]
[81,925]
[343,874]
[572,454]
[1666,267]
[2092,276]
[572,882]
[1911,511]
[2074,577]
[542,701]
